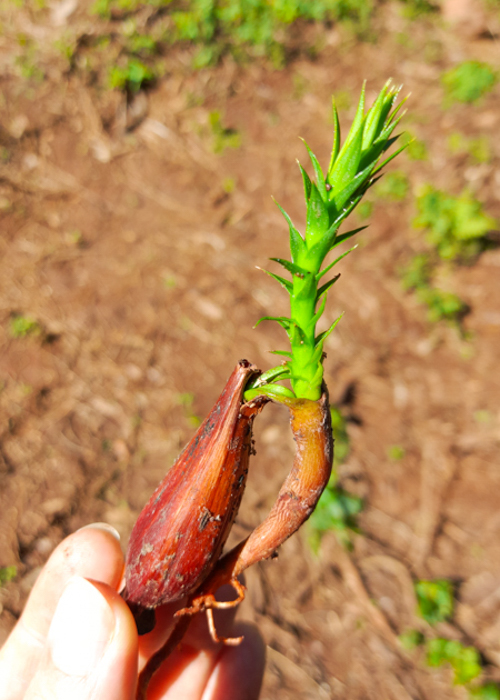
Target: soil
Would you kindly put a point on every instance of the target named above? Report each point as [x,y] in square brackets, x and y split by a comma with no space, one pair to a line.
[133,245]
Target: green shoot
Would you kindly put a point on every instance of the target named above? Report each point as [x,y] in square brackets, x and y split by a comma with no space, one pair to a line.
[223,136]
[22,326]
[456,226]
[410,639]
[468,82]
[488,691]
[7,573]
[435,600]
[396,453]
[465,661]
[394,186]
[354,167]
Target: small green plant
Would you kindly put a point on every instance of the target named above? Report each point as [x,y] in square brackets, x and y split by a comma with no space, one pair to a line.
[186,400]
[214,28]
[410,639]
[435,600]
[222,136]
[132,76]
[28,62]
[436,604]
[417,273]
[414,9]
[456,227]
[340,435]
[416,149]
[442,305]
[7,573]
[478,149]
[465,661]
[488,691]
[337,510]
[22,326]
[394,185]
[396,453]
[468,82]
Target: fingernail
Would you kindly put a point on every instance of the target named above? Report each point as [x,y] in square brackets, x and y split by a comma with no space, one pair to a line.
[102,526]
[81,629]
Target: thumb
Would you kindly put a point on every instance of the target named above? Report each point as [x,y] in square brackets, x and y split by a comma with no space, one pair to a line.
[91,647]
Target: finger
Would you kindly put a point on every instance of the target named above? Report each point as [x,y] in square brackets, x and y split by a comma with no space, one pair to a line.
[93,552]
[91,647]
[219,674]
[198,635]
[239,670]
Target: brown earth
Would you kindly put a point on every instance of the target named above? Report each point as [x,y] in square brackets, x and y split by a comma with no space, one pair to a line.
[136,257]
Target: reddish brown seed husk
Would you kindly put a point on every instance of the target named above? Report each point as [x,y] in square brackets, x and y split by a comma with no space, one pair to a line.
[180,533]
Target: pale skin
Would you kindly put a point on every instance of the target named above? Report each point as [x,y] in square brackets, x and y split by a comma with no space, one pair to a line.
[77,639]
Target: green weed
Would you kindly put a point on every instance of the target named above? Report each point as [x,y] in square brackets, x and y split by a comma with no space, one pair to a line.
[415,148]
[465,661]
[442,305]
[488,691]
[132,76]
[186,400]
[22,326]
[435,600]
[27,61]
[478,149]
[456,227]
[436,604]
[393,185]
[468,82]
[222,136]
[411,639]
[7,573]
[213,28]
[413,9]
[336,510]
[396,453]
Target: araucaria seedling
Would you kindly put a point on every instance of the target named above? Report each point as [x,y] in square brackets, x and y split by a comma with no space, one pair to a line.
[175,547]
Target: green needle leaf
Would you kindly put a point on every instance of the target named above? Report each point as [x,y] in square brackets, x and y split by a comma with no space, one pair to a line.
[358,119]
[345,237]
[272,375]
[357,182]
[297,244]
[284,283]
[292,268]
[325,287]
[320,178]
[306,181]
[281,352]
[329,267]
[319,312]
[317,216]
[346,165]
[273,391]
[323,336]
[336,136]
[282,320]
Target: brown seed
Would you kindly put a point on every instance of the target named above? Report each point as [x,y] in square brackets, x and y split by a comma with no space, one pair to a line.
[180,533]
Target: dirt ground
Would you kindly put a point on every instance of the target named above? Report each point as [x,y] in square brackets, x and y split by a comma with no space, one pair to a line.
[134,245]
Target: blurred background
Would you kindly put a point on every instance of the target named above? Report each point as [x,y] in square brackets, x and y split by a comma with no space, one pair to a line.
[140,145]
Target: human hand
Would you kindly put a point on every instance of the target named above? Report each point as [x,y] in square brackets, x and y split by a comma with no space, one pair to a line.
[77,639]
